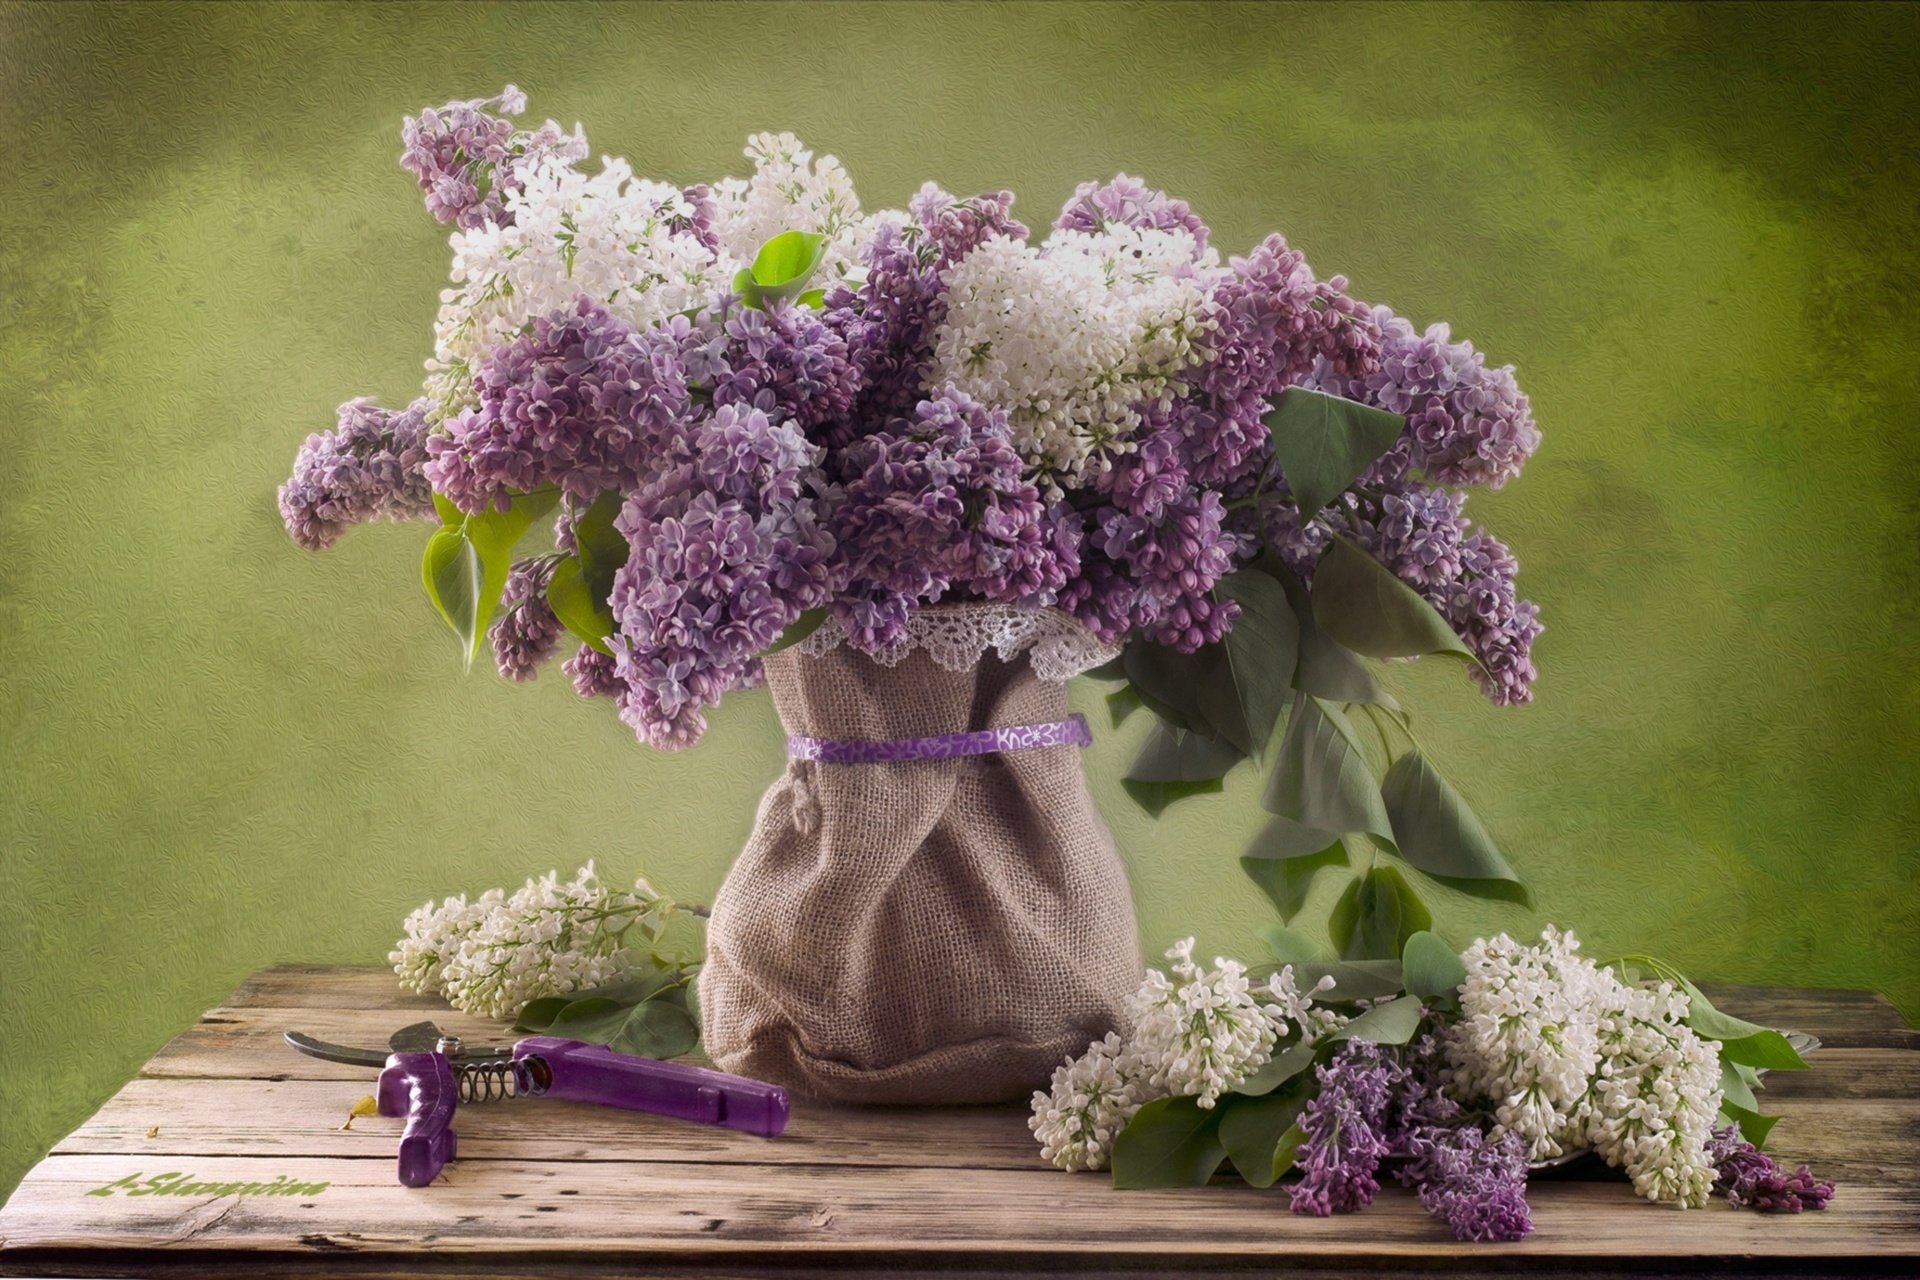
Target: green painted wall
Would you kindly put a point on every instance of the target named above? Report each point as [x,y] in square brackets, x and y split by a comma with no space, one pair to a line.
[1693,230]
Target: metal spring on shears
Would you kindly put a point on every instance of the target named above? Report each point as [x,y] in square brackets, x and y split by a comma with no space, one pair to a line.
[488,1081]
[496,1081]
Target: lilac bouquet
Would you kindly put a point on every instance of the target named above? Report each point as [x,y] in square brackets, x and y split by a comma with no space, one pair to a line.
[755,414]
[1456,1073]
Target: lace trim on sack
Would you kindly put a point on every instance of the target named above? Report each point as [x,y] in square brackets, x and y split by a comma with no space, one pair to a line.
[1058,646]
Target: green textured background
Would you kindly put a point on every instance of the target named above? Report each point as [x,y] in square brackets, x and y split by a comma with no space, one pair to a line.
[1693,229]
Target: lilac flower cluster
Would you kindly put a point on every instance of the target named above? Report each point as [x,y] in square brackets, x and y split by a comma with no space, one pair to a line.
[1130,203]
[1750,1178]
[370,467]
[1370,1106]
[726,551]
[583,401]
[526,634]
[1466,424]
[467,159]
[1422,535]
[1076,423]
[1348,1128]
[889,320]
[937,502]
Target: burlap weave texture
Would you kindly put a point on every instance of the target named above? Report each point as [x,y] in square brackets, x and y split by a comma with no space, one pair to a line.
[928,931]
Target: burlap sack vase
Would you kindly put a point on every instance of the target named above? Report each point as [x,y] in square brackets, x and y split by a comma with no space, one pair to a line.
[926,930]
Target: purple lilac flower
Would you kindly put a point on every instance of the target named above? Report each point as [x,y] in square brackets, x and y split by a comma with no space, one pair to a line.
[726,548]
[955,227]
[699,223]
[583,402]
[787,361]
[1274,323]
[939,502]
[1129,202]
[1347,1128]
[1466,423]
[1750,1178]
[1422,535]
[593,674]
[527,633]
[369,467]
[1173,557]
[889,321]
[1475,1184]
[467,160]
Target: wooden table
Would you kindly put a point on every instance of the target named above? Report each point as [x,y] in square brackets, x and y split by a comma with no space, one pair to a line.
[544,1186]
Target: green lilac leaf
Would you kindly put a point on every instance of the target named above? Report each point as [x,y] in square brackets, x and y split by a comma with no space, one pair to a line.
[1754,1127]
[1260,653]
[1285,838]
[1171,1142]
[1743,1042]
[1321,778]
[572,601]
[1377,914]
[450,571]
[601,548]
[1363,605]
[1324,668]
[1251,1129]
[656,1029]
[539,1014]
[1324,442]
[1123,702]
[1395,1022]
[1434,829]
[493,536]
[1287,881]
[1287,1151]
[1168,682]
[1174,765]
[1286,1065]
[1352,979]
[1430,967]
[1291,946]
[1737,1085]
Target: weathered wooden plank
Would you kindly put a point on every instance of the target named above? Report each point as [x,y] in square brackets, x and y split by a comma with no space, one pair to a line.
[303,1118]
[243,1041]
[246,1043]
[618,1211]
[1822,1012]
[328,986]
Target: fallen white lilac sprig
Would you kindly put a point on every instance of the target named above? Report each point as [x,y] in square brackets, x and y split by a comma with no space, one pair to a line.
[1461,1069]
[495,955]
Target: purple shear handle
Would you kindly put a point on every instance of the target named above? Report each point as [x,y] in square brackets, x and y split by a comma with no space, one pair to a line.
[593,1073]
[425,1088]
[421,1087]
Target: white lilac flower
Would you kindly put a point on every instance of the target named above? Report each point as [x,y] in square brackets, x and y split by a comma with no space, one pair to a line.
[1656,1098]
[792,190]
[1526,1038]
[1571,1058]
[623,240]
[1293,1011]
[432,934]
[1090,1102]
[490,957]
[1075,336]
[1200,1032]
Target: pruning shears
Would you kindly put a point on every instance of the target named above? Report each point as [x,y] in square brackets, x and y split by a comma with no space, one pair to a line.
[426,1072]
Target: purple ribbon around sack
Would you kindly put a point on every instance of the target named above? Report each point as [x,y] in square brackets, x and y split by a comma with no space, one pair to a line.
[1071,732]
